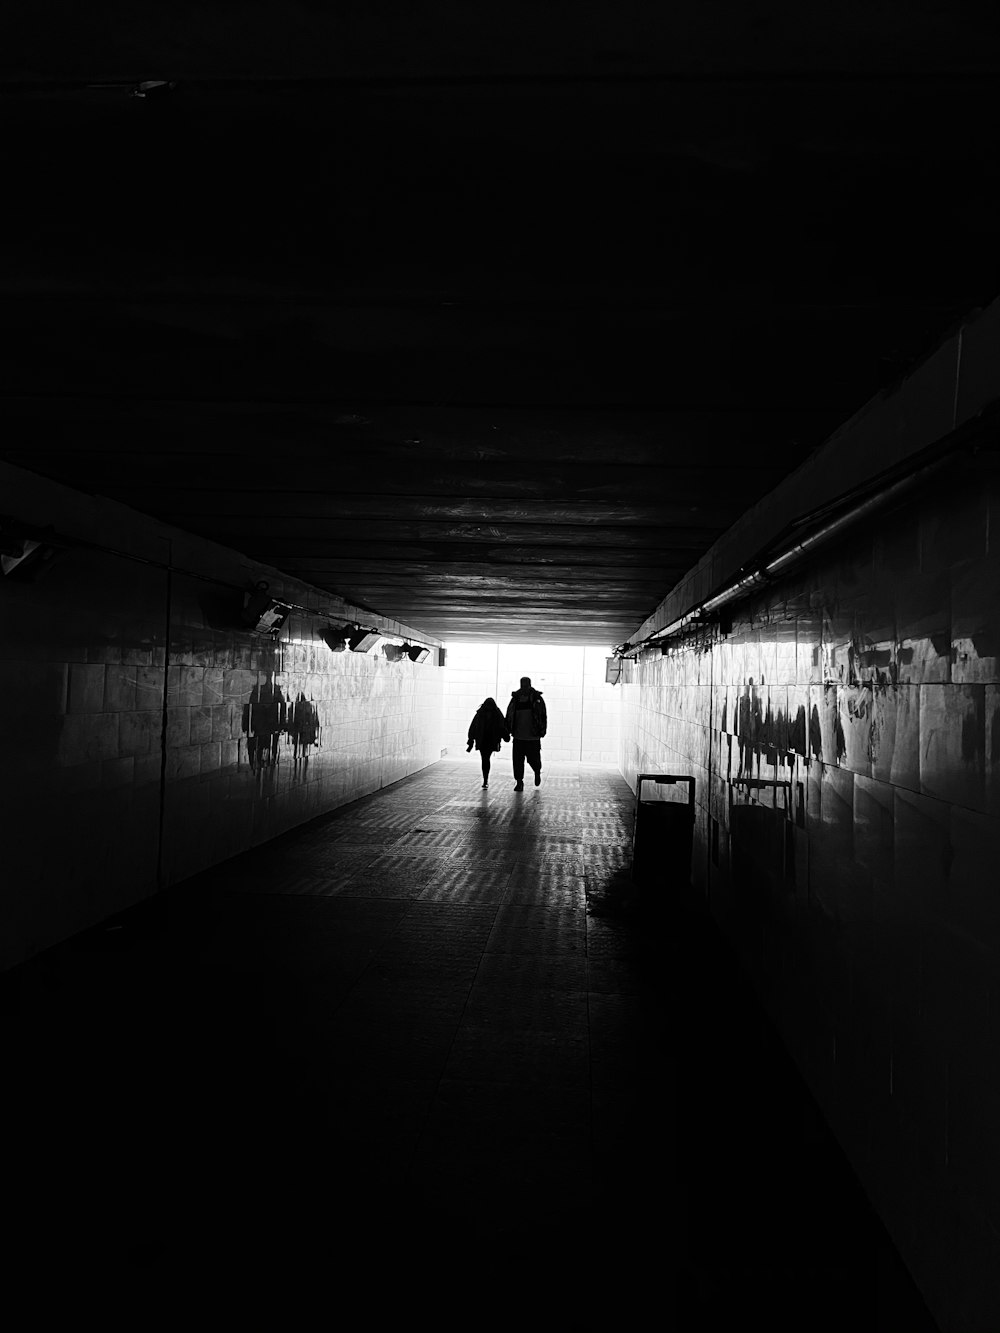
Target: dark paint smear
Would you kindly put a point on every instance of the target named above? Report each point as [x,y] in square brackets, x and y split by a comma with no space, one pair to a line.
[941,643]
[974,729]
[985,644]
[867,659]
[838,735]
[877,724]
[797,732]
[815,734]
[779,733]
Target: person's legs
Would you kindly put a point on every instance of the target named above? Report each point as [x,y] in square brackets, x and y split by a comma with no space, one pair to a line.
[518,760]
[533,754]
[484,755]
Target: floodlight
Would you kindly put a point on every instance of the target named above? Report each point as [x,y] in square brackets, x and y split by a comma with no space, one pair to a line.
[364,641]
[16,553]
[335,639]
[22,555]
[262,613]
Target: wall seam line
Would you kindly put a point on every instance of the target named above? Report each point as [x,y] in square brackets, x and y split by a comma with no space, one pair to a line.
[958,379]
[165,713]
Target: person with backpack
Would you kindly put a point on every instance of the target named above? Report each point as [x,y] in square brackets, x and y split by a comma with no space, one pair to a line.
[487,730]
[527,723]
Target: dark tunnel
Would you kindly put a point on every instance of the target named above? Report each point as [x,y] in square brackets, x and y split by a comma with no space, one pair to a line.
[356,364]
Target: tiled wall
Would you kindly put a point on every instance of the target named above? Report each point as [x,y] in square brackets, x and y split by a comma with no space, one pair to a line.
[583,712]
[375,722]
[127,690]
[81,670]
[845,739]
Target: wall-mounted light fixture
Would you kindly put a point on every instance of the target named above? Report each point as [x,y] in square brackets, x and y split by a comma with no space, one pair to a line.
[335,639]
[18,555]
[361,639]
[24,553]
[155,88]
[262,613]
[364,640]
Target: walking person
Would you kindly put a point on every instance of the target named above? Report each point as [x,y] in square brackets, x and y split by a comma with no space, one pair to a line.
[527,723]
[487,730]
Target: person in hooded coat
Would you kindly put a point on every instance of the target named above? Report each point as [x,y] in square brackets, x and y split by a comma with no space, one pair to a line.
[488,729]
[527,721]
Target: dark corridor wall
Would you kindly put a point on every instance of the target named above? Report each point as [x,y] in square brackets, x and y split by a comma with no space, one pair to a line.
[845,737]
[150,735]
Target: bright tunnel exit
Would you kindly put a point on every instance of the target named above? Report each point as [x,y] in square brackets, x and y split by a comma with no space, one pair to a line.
[583,711]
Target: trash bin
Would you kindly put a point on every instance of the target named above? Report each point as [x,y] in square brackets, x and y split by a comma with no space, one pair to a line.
[661,835]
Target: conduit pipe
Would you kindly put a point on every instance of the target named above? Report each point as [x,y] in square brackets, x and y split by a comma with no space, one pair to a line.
[798,550]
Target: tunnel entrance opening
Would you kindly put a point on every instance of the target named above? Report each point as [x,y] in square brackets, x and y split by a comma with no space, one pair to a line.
[583,709]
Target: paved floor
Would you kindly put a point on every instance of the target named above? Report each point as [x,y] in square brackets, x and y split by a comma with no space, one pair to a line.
[427,1059]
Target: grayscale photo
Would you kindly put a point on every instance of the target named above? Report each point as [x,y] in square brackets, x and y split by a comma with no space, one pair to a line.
[500,626]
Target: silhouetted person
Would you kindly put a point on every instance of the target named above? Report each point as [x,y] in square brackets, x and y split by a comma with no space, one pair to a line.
[527,722]
[303,725]
[488,729]
[264,721]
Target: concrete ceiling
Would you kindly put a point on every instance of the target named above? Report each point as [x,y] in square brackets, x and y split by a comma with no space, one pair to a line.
[493,334]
